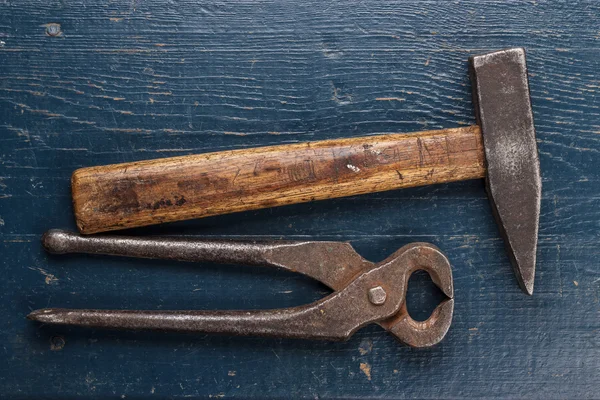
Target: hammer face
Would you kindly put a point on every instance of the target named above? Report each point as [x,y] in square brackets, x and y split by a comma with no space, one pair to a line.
[503,110]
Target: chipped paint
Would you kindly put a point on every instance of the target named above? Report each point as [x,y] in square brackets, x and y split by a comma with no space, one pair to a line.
[49,278]
[366,369]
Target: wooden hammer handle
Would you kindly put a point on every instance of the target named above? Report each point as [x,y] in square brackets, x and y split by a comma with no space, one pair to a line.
[172,189]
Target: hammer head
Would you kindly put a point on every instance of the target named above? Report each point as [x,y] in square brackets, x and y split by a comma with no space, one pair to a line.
[503,110]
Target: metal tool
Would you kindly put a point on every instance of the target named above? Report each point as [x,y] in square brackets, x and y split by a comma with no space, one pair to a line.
[502,148]
[364,292]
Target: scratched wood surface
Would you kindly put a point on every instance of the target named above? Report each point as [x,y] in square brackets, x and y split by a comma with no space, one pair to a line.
[142,193]
[93,83]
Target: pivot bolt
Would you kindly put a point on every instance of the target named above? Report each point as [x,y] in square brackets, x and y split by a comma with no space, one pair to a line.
[377,295]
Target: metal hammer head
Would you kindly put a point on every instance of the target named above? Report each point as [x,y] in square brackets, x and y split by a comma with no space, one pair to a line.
[503,110]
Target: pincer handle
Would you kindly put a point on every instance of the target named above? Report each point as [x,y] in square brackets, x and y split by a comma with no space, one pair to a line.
[58,241]
[335,317]
[331,263]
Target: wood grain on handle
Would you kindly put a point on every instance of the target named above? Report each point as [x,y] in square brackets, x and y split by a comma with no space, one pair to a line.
[143,193]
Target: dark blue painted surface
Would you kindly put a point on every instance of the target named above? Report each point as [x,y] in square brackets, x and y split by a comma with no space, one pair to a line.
[134,80]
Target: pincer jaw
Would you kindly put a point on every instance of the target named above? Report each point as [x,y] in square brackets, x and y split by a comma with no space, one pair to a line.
[421,333]
[426,257]
[421,256]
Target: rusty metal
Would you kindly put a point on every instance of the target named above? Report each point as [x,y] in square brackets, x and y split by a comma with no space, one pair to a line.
[503,110]
[364,292]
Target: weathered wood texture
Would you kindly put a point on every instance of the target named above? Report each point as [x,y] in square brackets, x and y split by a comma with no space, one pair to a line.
[172,189]
[129,80]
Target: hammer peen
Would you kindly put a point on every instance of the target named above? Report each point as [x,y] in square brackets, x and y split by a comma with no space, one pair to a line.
[501,148]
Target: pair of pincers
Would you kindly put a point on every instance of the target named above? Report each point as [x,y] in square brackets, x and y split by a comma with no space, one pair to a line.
[363,292]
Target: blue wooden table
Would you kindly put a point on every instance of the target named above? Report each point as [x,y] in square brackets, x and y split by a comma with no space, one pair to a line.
[87,83]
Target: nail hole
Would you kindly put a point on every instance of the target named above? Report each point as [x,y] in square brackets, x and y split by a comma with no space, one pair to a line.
[57,343]
[423,296]
[53,29]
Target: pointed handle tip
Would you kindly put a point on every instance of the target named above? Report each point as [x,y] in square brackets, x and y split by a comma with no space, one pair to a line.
[47,315]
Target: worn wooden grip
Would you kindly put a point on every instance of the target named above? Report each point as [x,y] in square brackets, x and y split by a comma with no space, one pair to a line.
[172,189]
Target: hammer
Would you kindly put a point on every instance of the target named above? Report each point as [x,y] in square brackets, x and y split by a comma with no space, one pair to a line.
[501,148]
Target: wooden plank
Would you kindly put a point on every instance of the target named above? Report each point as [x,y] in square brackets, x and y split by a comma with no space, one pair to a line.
[126,81]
